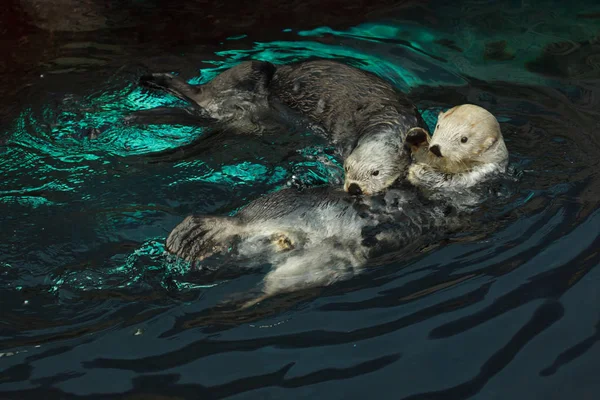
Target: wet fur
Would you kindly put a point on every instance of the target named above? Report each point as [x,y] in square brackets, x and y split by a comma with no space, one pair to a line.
[362,115]
[311,238]
[461,165]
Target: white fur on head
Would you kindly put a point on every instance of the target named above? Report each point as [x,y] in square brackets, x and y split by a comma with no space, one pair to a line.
[467,136]
[376,162]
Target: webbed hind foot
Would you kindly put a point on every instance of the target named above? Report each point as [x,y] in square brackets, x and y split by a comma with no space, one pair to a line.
[199,237]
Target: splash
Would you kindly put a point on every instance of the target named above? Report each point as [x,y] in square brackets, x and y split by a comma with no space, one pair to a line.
[147,266]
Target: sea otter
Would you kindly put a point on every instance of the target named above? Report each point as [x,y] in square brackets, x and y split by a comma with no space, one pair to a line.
[362,115]
[321,235]
[467,148]
[314,237]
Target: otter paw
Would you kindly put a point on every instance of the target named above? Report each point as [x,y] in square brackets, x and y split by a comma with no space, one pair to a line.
[199,237]
[417,137]
[282,242]
[418,172]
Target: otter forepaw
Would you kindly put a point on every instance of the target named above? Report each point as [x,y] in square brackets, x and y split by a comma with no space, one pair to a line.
[417,137]
[417,173]
[282,242]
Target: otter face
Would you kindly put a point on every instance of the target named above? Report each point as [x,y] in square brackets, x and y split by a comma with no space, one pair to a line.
[465,136]
[375,164]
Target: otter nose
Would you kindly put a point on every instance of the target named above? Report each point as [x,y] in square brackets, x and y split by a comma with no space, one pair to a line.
[435,149]
[354,189]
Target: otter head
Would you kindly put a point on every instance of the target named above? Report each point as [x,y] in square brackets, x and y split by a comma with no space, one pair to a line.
[466,136]
[376,162]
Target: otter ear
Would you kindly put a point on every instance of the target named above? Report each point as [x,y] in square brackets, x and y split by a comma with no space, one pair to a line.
[259,78]
[416,137]
[441,114]
[489,142]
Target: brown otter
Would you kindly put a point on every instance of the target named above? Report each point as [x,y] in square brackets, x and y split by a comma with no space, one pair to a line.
[363,116]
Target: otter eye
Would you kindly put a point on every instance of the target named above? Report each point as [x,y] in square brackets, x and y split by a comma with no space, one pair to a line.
[346,168]
[437,126]
[464,139]
[375,173]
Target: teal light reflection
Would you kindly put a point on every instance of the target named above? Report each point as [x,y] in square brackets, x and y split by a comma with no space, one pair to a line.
[58,148]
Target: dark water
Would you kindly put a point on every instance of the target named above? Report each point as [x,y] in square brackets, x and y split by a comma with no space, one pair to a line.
[92,308]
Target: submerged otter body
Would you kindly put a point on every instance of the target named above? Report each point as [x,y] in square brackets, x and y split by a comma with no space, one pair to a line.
[315,237]
[363,116]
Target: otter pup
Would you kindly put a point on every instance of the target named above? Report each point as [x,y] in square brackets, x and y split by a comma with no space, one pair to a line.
[467,147]
[363,116]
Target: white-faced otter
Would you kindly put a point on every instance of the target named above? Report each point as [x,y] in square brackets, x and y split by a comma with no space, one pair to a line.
[363,116]
[467,147]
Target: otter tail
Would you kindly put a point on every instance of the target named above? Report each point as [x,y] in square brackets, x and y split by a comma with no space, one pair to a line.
[191,115]
[171,84]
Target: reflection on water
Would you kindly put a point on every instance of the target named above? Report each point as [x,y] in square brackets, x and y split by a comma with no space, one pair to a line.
[92,305]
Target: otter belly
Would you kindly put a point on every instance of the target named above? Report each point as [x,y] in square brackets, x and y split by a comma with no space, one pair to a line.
[310,238]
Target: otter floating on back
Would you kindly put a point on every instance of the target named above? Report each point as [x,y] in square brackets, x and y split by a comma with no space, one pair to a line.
[321,235]
[363,116]
[312,238]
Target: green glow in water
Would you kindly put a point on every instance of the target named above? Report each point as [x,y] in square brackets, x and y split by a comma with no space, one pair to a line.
[59,148]
[460,52]
[246,173]
[147,262]
[281,52]
[430,117]
[238,37]
[417,35]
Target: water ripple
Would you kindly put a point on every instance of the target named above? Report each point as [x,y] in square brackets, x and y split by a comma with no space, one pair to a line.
[94,308]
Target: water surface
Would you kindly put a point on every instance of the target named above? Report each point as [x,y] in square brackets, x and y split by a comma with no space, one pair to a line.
[92,308]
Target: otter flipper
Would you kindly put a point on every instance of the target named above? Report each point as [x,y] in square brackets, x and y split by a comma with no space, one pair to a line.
[171,84]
